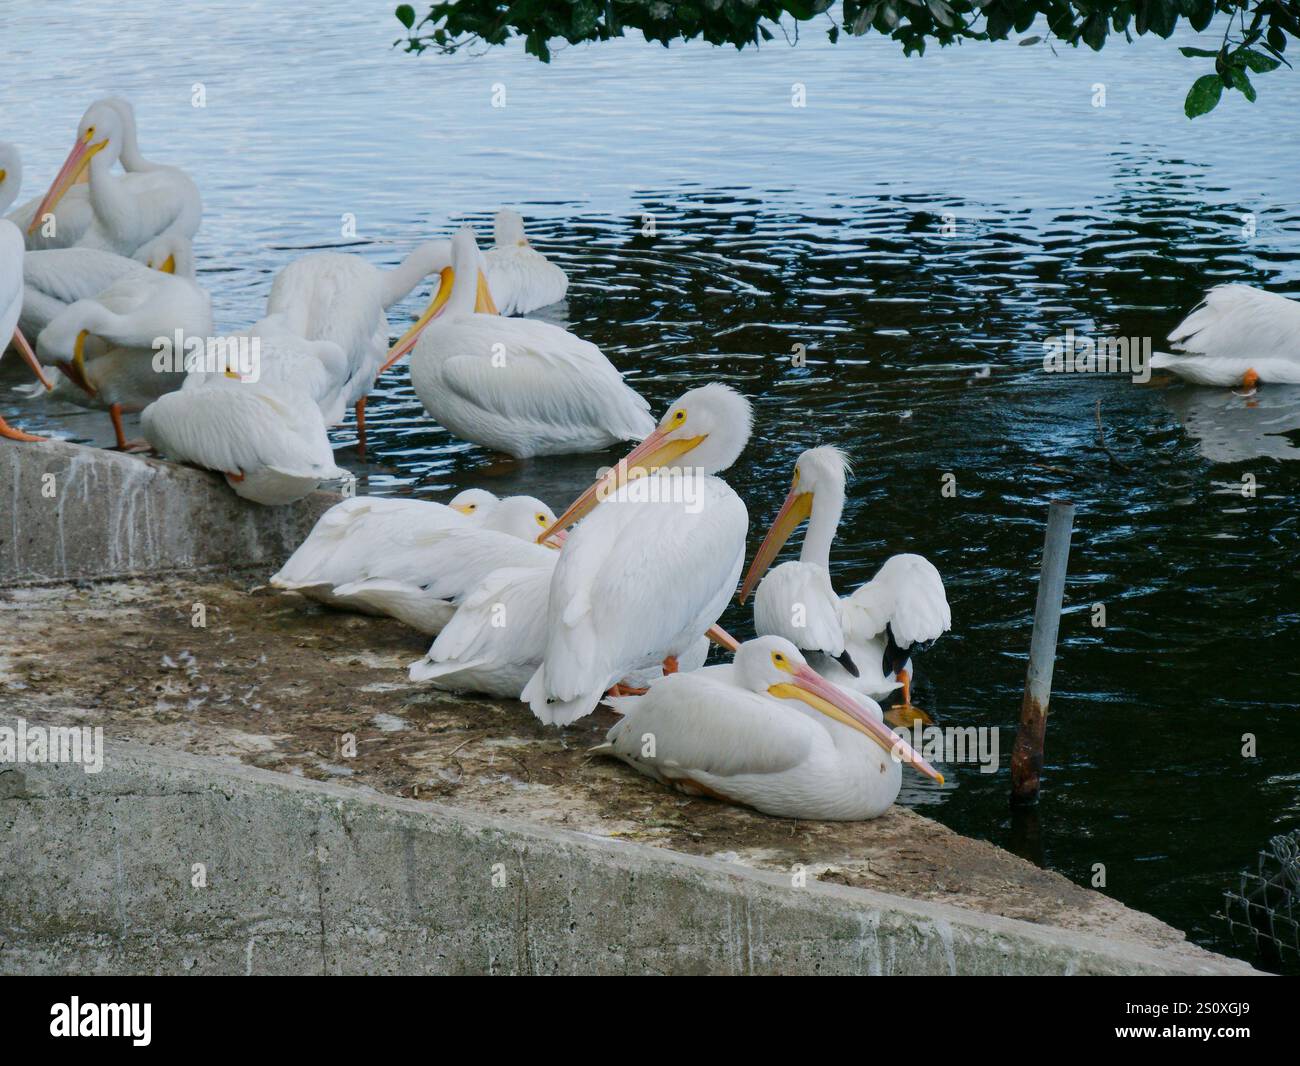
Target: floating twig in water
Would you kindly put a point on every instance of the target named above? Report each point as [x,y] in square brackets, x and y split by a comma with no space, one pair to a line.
[1115,460]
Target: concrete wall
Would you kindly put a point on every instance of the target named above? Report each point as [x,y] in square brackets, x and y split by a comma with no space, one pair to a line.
[304,877]
[113,515]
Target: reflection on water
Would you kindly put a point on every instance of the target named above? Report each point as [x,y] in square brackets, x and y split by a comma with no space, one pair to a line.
[1229,428]
[921,228]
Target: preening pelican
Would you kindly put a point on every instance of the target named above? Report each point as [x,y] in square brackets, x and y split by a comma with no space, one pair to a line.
[121,212]
[651,568]
[105,344]
[1239,335]
[520,277]
[766,731]
[862,641]
[515,385]
[11,305]
[417,577]
[263,430]
[338,297]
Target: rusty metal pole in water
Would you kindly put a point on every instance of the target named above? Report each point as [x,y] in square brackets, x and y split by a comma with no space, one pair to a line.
[1027,755]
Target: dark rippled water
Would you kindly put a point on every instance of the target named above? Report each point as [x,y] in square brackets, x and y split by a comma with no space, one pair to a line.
[825,226]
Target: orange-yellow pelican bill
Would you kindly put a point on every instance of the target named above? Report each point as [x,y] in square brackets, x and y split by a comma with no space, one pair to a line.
[29,357]
[658,450]
[69,174]
[796,508]
[483,303]
[808,686]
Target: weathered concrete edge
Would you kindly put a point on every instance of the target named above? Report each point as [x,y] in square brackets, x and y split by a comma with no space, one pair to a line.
[69,512]
[306,876]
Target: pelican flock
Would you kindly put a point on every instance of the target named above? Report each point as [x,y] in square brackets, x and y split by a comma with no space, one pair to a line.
[613,603]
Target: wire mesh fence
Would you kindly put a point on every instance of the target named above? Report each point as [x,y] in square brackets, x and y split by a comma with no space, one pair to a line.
[1265,911]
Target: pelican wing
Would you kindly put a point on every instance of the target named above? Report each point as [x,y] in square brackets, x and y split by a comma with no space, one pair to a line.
[907,595]
[539,377]
[521,279]
[796,601]
[1240,321]
[635,579]
[240,429]
[703,723]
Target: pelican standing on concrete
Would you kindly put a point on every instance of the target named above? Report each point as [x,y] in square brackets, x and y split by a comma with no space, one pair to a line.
[863,641]
[654,560]
[768,732]
[515,385]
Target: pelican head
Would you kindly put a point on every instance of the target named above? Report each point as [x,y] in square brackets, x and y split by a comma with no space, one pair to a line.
[11,175]
[508,229]
[706,428]
[524,517]
[100,132]
[818,473]
[469,294]
[474,503]
[774,666]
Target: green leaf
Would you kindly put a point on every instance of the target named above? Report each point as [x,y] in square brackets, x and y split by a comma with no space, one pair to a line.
[1203,97]
[942,12]
[1241,82]
[833,33]
[1277,38]
[405,15]
[1029,40]
[1258,62]
[1206,52]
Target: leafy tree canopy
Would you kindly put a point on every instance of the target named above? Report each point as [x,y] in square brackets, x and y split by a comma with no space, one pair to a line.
[1254,40]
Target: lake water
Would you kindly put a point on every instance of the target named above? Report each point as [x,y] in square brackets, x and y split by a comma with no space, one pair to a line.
[921,226]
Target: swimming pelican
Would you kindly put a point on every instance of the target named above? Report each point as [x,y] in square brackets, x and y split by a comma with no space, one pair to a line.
[105,344]
[126,211]
[515,385]
[264,429]
[339,297]
[766,731]
[862,641]
[11,305]
[651,568]
[520,277]
[1238,335]
[417,576]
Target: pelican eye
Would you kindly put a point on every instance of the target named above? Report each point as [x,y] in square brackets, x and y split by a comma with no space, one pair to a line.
[542,520]
[471,507]
[780,661]
[679,416]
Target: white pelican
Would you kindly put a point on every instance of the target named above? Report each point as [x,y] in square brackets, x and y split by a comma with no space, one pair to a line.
[1239,335]
[339,297]
[768,732]
[264,430]
[515,385]
[11,305]
[126,211]
[643,577]
[497,638]
[105,344]
[520,277]
[415,574]
[862,641]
